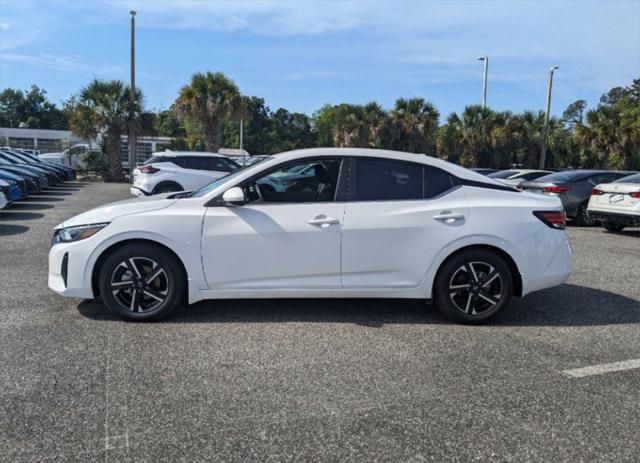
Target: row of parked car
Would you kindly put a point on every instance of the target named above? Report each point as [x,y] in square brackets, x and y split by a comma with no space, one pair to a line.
[611,198]
[23,173]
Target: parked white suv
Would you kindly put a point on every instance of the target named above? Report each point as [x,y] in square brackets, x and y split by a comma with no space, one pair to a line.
[170,171]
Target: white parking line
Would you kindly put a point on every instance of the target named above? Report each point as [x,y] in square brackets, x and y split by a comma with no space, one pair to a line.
[603,368]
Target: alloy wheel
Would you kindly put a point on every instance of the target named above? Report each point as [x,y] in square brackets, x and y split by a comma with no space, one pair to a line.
[475,288]
[140,284]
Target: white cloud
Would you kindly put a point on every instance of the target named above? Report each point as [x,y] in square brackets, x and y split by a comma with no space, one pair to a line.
[61,63]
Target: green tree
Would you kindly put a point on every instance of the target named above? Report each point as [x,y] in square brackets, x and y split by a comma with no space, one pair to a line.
[611,132]
[208,101]
[414,123]
[102,107]
[31,107]
[290,131]
[257,122]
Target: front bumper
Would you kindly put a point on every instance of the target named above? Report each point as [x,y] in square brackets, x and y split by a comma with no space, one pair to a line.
[631,220]
[66,270]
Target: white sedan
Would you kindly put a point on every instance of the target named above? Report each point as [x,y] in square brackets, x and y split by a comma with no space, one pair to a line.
[364,223]
[617,204]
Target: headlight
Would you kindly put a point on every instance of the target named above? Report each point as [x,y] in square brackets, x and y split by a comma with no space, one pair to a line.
[81,232]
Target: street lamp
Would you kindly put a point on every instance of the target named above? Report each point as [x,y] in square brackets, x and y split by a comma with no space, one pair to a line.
[132,97]
[484,80]
[545,134]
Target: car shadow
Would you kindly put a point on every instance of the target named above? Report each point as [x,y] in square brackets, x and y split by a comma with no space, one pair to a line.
[634,233]
[49,191]
[43,198]
[15,215]
[7,229]
[30,206]
[565,305]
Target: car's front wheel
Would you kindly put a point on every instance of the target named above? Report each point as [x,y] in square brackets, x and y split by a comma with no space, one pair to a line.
[473,286]
[142,282]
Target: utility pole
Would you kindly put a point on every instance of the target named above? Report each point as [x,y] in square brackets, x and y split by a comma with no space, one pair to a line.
[545,131]
[132,97]
[484,80]
[244,161]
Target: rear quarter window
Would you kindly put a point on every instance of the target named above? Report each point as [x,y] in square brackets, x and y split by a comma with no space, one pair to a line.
[437,181]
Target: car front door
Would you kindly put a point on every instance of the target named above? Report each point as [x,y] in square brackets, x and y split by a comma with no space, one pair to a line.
[398,216]
[286,235]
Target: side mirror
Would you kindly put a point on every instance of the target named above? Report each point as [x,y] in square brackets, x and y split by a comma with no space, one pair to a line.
[233,197]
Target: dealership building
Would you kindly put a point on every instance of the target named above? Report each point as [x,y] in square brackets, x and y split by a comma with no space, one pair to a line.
[52,141]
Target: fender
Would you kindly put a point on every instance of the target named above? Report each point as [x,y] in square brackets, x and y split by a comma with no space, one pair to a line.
[195,276]
[426,284]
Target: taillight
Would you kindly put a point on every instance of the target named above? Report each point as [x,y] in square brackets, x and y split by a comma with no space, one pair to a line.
[597,192]
[635,194]
[552,219]
[148,169]
[555,189]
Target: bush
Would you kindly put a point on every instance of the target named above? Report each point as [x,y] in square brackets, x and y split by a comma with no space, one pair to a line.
[96,162]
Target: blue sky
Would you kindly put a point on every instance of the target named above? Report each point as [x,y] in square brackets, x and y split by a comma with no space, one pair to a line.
[301,55]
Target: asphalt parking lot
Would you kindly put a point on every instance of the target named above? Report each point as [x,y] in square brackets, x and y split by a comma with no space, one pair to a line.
[363,380]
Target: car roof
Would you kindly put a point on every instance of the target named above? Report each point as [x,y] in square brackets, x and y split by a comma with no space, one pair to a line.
[173,154]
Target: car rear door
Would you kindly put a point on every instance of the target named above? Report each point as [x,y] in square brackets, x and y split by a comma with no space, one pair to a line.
[398,216]
[286,235]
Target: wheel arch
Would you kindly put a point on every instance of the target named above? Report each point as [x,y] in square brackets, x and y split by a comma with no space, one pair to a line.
[167,183]
[513,267]
[95,273]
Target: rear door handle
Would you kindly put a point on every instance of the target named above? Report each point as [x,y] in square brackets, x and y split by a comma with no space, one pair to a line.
[448,218]
[323,221]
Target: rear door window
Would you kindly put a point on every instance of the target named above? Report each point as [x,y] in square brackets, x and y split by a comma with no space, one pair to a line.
[386,180]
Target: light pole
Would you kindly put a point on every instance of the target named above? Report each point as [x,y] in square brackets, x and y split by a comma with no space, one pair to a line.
[132,97]
[484,80]
[545,131]
[244,161]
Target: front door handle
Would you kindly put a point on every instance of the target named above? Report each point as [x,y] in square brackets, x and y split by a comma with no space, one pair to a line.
[323,221]
[448,217]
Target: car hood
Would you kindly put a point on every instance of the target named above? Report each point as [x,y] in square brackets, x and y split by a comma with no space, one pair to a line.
[108,212]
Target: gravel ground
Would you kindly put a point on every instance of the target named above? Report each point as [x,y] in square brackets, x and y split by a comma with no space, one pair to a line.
[318,380]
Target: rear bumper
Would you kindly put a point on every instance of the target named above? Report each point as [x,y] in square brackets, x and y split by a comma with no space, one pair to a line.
[631,220]
[139,192]
[545,260]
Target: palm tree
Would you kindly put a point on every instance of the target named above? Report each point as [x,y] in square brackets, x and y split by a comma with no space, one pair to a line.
[103,107]
[208,101]
[415,121]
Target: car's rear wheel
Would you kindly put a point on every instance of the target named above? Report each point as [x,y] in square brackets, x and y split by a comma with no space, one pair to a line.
[612,227]
[582,217]
[473,286]
[166,188]
[142,282]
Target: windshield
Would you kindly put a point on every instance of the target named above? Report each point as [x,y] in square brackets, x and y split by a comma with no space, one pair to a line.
[21,157]
[503,174]
[635,178]
[216,183]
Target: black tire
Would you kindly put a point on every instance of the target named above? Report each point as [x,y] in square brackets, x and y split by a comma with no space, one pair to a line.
[613,227]
[478,301]
[582,217]
[147,272]
[167,188]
